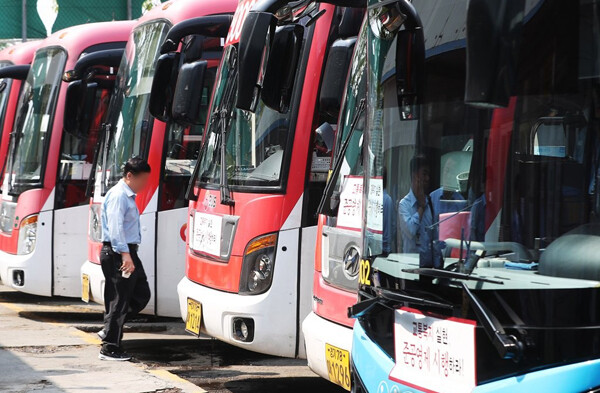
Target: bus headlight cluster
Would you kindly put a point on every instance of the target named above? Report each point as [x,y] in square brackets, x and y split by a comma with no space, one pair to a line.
[258,265]
[27,235]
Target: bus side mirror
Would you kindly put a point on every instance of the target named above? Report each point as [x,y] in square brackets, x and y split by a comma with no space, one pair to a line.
[79,103]
[332,88]
[254,47]
[163,83]
[279,77]
[493,37]
[187,108]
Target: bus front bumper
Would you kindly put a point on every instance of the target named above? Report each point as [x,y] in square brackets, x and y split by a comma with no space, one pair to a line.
[96,280]
[318,332]
[271,318]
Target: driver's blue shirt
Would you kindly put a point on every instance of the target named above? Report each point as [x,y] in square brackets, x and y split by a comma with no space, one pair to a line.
[416,234]
[120,218]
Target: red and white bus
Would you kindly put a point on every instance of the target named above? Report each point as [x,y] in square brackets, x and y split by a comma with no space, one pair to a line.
[14,63]
[261,174]
[176,34]
[44,208]
[327,329]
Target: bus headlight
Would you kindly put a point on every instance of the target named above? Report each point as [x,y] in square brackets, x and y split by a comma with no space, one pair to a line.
[27,235]
[258,265]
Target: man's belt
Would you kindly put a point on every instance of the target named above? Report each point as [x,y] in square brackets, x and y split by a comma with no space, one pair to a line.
[132,246]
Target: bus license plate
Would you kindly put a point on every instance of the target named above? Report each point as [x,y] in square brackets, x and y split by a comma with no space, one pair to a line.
[338,366]
[85,288]
[194,316]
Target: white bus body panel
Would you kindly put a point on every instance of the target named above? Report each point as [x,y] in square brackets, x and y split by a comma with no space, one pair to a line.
[70,248]
[307,269]
[170,260]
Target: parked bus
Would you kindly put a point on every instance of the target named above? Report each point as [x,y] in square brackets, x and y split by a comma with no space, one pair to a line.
[261,174]
[328,329]
[171,148]
[481,163]
[14,64]
[45,171]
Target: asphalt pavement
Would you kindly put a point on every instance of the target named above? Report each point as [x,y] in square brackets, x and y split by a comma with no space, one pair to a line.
[50,345]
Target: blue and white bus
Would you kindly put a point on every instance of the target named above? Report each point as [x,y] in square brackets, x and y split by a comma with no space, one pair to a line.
[481,227]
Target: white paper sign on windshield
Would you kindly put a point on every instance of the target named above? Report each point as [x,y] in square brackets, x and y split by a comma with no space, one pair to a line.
[207,233]
[350,210]
[434,353]
[375,205]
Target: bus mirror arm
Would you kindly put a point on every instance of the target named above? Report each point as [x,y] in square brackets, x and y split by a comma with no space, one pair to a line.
[508,346]
[208,26]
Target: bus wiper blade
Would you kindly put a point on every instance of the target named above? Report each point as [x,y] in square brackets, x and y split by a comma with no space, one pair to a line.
[508,346]
[107,142]
[340,158]
[387,298]
[439,273]
[225,192]
[395,296]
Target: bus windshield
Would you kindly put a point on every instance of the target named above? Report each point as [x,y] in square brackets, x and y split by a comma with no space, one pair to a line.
[255,142]
[517,181]
[128,115]
[5,86]
[33,124]
[343,208]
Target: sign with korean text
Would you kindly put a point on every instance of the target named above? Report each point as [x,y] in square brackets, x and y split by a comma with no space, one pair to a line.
[375,205]
[350,210]
[207,234]
[434,353]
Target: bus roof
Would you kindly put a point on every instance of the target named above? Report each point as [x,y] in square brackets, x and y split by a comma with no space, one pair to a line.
[179,10]
[77,39]
[21,53]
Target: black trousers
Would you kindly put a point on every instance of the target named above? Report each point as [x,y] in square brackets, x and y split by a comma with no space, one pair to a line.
[123,297]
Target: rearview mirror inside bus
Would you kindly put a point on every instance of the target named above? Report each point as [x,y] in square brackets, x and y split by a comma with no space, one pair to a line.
[187,108]
[410,66]
[493,35]
[281,67]
[254,48]
[161,95]
[78,104]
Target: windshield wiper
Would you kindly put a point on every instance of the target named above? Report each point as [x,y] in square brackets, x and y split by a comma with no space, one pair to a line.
[439,273]
[508,346]
[389,298]
[340,158]
[225,192]
[89,188]
[107,142]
